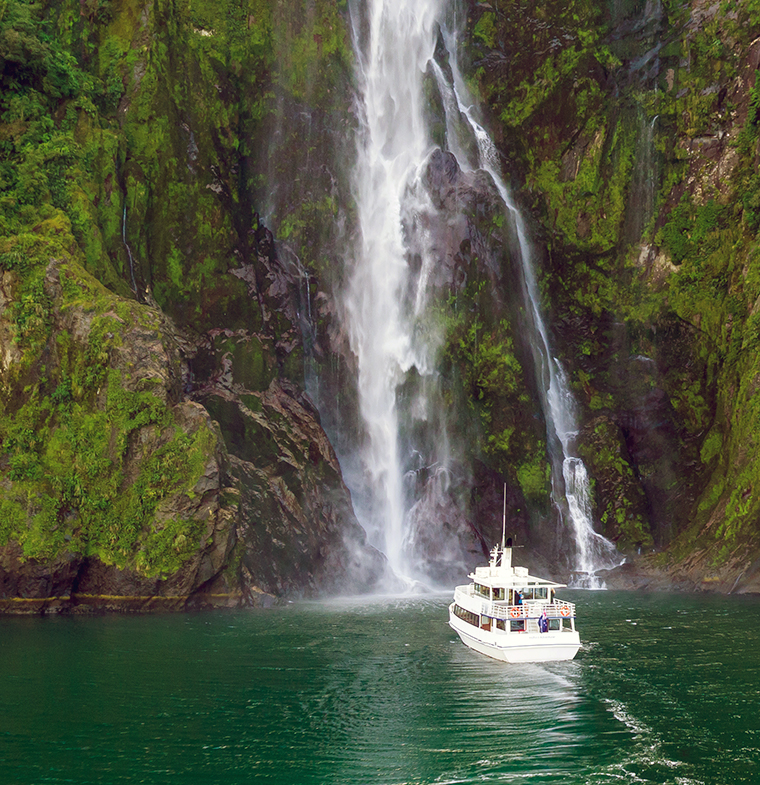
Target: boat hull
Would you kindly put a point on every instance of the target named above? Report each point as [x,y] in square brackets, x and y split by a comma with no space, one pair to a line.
[517,647]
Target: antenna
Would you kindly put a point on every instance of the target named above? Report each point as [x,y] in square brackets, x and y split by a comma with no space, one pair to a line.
[504,519]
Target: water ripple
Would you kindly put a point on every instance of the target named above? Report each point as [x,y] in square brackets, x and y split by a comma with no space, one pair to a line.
[382,692]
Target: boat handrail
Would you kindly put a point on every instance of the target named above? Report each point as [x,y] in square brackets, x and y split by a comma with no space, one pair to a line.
[530,609]
[559,609]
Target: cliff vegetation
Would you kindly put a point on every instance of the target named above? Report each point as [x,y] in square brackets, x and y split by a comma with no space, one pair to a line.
[141,294]
[175,209]
[632,129]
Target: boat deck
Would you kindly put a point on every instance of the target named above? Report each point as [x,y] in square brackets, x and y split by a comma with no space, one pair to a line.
[467,598]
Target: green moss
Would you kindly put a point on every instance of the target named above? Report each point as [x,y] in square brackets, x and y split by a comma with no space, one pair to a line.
[310,41]
[165,550]
[484,379]
[68,442]
[688,227]
[589,208]
[534,476]
[485,29]
[70,490]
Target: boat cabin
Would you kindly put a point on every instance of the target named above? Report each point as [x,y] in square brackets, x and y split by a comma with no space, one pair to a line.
[510,599]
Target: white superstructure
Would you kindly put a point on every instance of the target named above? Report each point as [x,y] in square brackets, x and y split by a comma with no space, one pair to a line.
[503,611]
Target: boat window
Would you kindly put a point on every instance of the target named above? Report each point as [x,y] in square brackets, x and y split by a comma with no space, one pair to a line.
[483,591]
[517,625]
[470,618]
[501,624]
[498,594]
[539,593]
[554,624]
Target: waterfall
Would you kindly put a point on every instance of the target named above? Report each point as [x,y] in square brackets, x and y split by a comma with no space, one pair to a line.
[395,42]
[644,181]
[570,483]
[126,245]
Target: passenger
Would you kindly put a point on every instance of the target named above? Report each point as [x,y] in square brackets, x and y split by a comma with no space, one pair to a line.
[518,598]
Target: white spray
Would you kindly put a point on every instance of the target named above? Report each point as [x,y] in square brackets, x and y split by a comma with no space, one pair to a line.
[397,42]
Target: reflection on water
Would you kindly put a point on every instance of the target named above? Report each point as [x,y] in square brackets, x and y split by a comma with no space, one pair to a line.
[664,690]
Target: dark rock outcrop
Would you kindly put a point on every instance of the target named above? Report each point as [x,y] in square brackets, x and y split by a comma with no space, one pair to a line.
[206,512]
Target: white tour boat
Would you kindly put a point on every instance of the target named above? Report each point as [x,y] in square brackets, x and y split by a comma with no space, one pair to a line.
[503,611]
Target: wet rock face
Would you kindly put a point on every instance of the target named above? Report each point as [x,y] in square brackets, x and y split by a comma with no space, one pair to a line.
[450,539]
[11,353]
[248,502]
[639,447]
[296,523]
[297,530]
[441,541]
[464,222]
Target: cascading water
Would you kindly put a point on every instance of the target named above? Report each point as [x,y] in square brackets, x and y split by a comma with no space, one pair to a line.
[570,483]
[644,182]
[129,250]
[395,42]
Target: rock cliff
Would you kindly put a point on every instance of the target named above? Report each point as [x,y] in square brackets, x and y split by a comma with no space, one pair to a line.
[158,450]
[175,207]
[632,128]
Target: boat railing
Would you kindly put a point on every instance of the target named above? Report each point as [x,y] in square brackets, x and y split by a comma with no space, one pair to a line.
[530,609]
[559,609]
[467,590]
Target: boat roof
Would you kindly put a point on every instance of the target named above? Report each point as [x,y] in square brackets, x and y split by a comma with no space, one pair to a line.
[500,574]
[509,578]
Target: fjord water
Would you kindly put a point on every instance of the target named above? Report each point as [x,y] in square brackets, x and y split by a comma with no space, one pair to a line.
[666,689]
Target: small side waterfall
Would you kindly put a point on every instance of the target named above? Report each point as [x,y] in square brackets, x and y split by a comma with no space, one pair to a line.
[644,181]
[570,482]
[129,250]
[396,42]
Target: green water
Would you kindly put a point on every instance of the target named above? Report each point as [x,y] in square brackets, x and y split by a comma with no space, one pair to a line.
[666,689]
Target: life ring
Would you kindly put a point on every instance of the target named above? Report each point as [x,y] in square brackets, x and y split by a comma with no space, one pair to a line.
[565,611]
[514,612]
